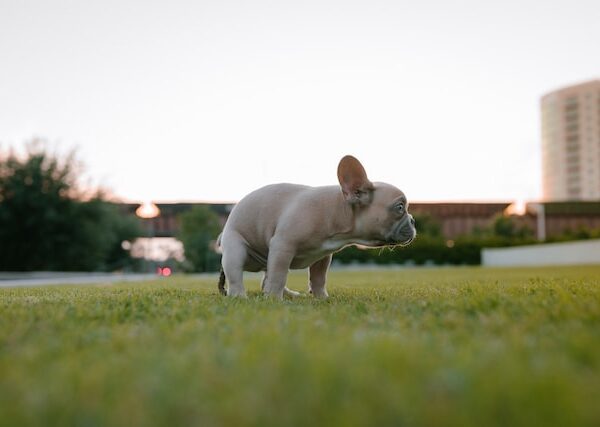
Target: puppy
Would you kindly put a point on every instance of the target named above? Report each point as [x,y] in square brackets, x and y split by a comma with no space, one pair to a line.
[287,226]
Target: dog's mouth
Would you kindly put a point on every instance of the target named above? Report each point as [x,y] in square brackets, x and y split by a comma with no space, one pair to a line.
[402,234]
[400,241]
[407,241]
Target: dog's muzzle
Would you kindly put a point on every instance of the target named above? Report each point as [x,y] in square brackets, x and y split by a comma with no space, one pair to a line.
[403,232]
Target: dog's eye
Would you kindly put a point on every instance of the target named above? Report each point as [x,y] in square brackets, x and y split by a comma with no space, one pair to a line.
[399,208]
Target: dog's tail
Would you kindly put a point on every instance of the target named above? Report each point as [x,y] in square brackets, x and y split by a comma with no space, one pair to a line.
[219,250]
[222,290]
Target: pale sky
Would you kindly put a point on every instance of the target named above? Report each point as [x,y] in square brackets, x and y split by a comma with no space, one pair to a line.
[208,100]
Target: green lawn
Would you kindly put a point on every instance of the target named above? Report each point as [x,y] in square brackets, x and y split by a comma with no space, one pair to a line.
[430,347]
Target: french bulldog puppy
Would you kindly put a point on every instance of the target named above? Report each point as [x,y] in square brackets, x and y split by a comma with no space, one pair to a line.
[287,226]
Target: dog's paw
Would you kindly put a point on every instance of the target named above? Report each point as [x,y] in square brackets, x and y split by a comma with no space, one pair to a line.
[293,294]
[236,294]
[319,293]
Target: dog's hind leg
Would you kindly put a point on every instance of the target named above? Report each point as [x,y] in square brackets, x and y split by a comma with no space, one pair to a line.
[234,257]
[318,277]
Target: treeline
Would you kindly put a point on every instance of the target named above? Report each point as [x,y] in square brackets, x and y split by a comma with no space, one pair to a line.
[48,222]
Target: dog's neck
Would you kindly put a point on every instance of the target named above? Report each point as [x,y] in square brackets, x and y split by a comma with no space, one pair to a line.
[343,214]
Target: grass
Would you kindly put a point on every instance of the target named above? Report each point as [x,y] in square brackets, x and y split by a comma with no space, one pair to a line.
[429,347]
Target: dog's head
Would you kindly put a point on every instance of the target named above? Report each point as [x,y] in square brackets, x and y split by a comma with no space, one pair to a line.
[381,215]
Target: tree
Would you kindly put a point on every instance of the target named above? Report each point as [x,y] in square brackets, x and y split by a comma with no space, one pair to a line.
[45,223]
[199,227]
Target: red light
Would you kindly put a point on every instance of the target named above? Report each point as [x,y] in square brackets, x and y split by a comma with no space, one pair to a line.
[159,271]
[166,271]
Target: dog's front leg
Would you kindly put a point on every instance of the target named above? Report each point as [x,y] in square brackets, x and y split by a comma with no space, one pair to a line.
[278,265]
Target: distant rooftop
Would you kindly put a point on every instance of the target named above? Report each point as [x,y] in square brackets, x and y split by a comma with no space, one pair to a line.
[573,88]
[567,208]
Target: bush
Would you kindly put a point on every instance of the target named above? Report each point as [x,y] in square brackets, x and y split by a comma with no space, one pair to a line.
[420,252]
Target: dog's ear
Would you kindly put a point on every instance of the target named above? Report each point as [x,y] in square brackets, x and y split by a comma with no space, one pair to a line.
[357,188]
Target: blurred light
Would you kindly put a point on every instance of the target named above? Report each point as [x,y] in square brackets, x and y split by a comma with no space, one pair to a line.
[517,208]
[164,271]
[125,244]
[450,243]
[147,210]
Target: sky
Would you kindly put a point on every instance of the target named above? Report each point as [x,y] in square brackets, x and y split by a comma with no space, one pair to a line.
[209,100]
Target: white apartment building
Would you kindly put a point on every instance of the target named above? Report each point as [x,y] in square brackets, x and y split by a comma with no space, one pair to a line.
[571,143]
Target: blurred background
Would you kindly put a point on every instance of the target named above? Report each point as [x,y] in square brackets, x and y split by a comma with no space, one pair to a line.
[129,129]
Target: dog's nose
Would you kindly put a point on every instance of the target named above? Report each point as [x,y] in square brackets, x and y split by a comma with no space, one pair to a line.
[412,220]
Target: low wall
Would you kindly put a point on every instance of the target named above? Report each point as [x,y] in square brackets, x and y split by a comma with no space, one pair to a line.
[565,253]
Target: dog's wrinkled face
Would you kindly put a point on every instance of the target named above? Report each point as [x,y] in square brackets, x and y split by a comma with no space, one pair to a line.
[385,220]
[381,210]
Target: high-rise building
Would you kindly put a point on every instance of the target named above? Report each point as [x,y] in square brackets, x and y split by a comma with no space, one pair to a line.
[571,143]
